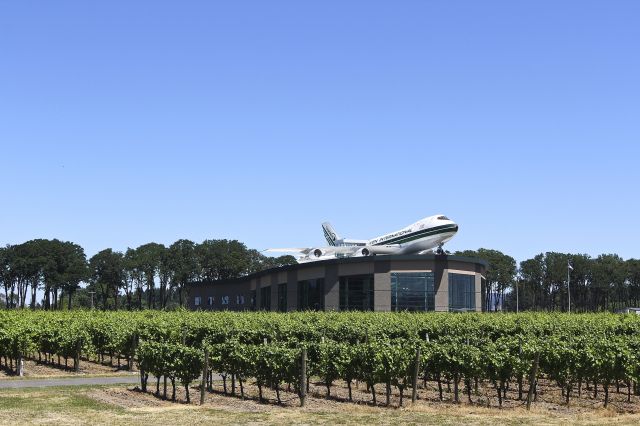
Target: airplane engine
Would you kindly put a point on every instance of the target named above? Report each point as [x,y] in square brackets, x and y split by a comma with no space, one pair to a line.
[317,253]
[373,250]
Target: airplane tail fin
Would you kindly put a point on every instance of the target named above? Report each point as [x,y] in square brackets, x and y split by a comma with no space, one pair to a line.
[330,234]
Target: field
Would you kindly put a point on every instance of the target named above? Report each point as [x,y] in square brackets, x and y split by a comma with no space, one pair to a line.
[361,367]
[123,406]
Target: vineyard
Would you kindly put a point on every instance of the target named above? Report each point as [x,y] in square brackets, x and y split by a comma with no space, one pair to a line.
[462,356]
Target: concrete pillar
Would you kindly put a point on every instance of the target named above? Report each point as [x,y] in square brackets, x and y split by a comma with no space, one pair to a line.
[331,289]
[274,292]
[382,292]
[442,291]
[292,290]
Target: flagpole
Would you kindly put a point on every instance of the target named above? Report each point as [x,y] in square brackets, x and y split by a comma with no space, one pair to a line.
[568,283]
[517,297]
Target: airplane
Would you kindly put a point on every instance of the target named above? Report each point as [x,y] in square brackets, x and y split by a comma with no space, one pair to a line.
[426,235]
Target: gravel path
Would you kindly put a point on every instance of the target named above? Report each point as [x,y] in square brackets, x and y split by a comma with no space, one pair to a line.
[71,381]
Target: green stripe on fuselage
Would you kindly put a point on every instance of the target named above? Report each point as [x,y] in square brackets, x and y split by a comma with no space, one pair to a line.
[418,234]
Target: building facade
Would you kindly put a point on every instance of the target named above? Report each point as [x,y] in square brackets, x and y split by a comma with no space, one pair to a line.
[374,283]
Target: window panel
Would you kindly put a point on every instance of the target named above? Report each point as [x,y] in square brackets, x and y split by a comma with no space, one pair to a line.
[311,295]
[462,292]
[356,293]
[412,291]
[265,298]
[254,295]
[282,297]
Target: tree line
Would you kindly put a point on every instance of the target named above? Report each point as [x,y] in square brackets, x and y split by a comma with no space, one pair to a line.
[603,283]
[151,276]
[154,276]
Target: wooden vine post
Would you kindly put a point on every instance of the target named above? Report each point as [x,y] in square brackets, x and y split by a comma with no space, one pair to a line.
[532,379]
[303,377]
[76,360]
[416,369]
[134,346]
[205,370]
[20,365]
[143,374]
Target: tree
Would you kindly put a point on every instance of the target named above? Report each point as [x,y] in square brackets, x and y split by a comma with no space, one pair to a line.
[555,279]
[29,261]
[61,266]
[276,262]
[5,273]
[149,257]
[234,259]
[531,291]
[165,271]
[183,264]
[580,281]
[50,271]
[107,275]
[609,277]
[222,259]
[134,278]
[633,279]
[74,269]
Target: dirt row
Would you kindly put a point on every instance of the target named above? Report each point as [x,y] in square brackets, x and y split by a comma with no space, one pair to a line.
[34,368]
[549,398]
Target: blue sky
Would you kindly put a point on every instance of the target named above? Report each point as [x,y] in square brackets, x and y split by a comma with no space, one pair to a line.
[123,123]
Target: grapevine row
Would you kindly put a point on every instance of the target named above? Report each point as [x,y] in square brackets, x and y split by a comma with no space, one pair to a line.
[377,349]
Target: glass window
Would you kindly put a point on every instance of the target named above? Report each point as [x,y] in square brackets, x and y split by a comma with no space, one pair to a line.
[265,298]
[254,294]
[210,300]
[462,292]
[311,295]
[356,293]
[443,218]
[197,301]
[282,297]
[412,291]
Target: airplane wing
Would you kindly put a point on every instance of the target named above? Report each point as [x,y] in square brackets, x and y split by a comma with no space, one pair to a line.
[317,251]
[428,251]
[348,250]
[305,250]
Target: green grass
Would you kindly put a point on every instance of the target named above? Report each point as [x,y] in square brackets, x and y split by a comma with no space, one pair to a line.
[55,405]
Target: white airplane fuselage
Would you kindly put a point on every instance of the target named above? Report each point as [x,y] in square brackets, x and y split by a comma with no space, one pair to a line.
[426,234]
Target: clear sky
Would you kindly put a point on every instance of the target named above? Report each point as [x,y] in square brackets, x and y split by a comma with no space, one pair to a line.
[128,122]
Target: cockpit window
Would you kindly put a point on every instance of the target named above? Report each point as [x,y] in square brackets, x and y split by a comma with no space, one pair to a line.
[443,218]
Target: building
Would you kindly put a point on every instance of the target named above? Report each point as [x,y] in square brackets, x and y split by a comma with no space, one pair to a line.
[629,311]
[372,283]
